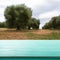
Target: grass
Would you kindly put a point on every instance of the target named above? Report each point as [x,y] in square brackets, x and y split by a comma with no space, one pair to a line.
[52,36]
[29,35]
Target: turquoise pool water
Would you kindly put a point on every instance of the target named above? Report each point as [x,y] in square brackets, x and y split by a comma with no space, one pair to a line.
[29,48]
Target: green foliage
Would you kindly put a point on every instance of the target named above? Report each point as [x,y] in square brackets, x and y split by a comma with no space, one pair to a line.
[46,26]
[17,16]
[34,23]
[58,22]
[54,23]
[10,16]
[2,25]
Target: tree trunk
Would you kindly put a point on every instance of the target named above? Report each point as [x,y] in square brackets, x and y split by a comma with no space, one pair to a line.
[28,27]
[18,28]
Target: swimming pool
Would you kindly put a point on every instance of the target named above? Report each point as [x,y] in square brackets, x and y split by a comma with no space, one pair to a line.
[29,48]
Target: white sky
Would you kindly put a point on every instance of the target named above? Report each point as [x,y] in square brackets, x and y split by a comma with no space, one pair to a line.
[42,9]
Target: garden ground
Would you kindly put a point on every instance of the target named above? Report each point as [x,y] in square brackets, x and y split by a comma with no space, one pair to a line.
[12,34]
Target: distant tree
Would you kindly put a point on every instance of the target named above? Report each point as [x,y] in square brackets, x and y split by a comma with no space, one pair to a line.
[2,25]
[46,26]
[58,22]
[34,23]
[54,23]
[17,16]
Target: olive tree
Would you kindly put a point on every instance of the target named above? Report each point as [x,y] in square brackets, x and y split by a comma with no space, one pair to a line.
[17,16]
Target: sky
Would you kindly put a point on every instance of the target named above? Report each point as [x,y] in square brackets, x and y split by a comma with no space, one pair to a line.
[41,9]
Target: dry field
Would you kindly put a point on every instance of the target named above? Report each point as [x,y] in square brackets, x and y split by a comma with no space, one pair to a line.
[12,34]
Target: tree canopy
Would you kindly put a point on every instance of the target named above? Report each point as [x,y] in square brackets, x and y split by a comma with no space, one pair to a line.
[54,23]
[34,23]
[2,24]
[20,17]
[17,16]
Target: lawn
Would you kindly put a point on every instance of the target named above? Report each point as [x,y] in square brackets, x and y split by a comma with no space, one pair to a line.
[29,34]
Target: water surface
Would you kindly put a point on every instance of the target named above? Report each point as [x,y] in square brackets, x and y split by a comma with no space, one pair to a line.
[29,48]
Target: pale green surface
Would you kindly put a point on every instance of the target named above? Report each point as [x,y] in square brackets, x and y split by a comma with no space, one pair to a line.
[29,48]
